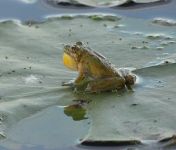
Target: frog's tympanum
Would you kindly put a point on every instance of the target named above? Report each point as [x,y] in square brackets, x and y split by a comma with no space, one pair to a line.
[96,73]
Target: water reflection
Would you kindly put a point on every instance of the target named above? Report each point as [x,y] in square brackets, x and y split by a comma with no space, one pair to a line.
[77,111]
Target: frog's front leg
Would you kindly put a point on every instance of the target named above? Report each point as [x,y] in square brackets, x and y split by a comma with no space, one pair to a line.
[69,83]
[130,80]
[80,83]
[106,84]
[75,82]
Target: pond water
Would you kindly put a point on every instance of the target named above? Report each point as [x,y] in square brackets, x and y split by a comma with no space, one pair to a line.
[39,9]
[36,112]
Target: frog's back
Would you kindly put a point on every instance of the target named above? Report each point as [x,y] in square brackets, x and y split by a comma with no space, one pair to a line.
[99,66]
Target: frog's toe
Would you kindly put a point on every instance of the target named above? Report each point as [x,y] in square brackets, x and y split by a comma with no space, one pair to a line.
[67,84]
[63,83]
[131,90]
[88,88]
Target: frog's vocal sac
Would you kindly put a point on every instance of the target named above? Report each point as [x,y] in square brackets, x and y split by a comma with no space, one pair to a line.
[96,73]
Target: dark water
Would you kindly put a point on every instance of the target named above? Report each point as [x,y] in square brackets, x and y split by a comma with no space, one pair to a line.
[38,10]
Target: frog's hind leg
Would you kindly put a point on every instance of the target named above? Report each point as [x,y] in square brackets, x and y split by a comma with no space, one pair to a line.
[130,80]
[107,84]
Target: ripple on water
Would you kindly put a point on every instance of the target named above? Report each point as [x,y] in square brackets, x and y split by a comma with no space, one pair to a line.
[28,1]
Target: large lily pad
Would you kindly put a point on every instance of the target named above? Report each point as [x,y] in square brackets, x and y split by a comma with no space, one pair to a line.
[140,116]
[32,71]
[100,3]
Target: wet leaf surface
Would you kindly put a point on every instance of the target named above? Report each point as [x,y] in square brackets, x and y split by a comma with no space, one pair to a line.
[31,74]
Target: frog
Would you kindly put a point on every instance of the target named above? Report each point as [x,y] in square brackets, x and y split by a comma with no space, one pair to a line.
[95,73]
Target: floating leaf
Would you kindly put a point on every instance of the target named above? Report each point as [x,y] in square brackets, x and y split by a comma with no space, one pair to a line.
[99,3]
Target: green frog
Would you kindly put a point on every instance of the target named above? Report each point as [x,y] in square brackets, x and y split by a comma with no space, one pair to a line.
[95,72]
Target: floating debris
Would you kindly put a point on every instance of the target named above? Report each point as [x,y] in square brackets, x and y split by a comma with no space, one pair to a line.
[134,104]
[158,36]
[104,18]
[93,16]
[67,17]
[2,136]
[31,79]
[164,21]
[167,61]
[164,43]
[140,47]
[159,48]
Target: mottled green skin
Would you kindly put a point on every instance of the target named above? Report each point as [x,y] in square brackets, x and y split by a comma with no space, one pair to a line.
[96,74]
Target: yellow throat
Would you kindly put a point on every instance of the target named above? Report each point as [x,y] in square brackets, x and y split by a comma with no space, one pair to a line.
[69,62]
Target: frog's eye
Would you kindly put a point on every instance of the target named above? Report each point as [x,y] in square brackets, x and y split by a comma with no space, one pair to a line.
[79,43]
[67,47]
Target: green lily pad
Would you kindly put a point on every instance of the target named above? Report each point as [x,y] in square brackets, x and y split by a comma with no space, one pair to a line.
[32,71]
[140,116]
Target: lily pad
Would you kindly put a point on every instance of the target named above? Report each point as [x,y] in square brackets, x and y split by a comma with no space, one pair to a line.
[98,3]
[32,71]
[138,116]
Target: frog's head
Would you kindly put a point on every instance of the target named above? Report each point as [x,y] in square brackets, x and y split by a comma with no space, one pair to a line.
[72,55]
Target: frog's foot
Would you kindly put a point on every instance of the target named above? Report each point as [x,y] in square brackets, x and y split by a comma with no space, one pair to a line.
[107,84]
[130,80]
[129,77]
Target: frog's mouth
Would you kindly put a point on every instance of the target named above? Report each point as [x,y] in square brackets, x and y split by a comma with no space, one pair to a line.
[69,62]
